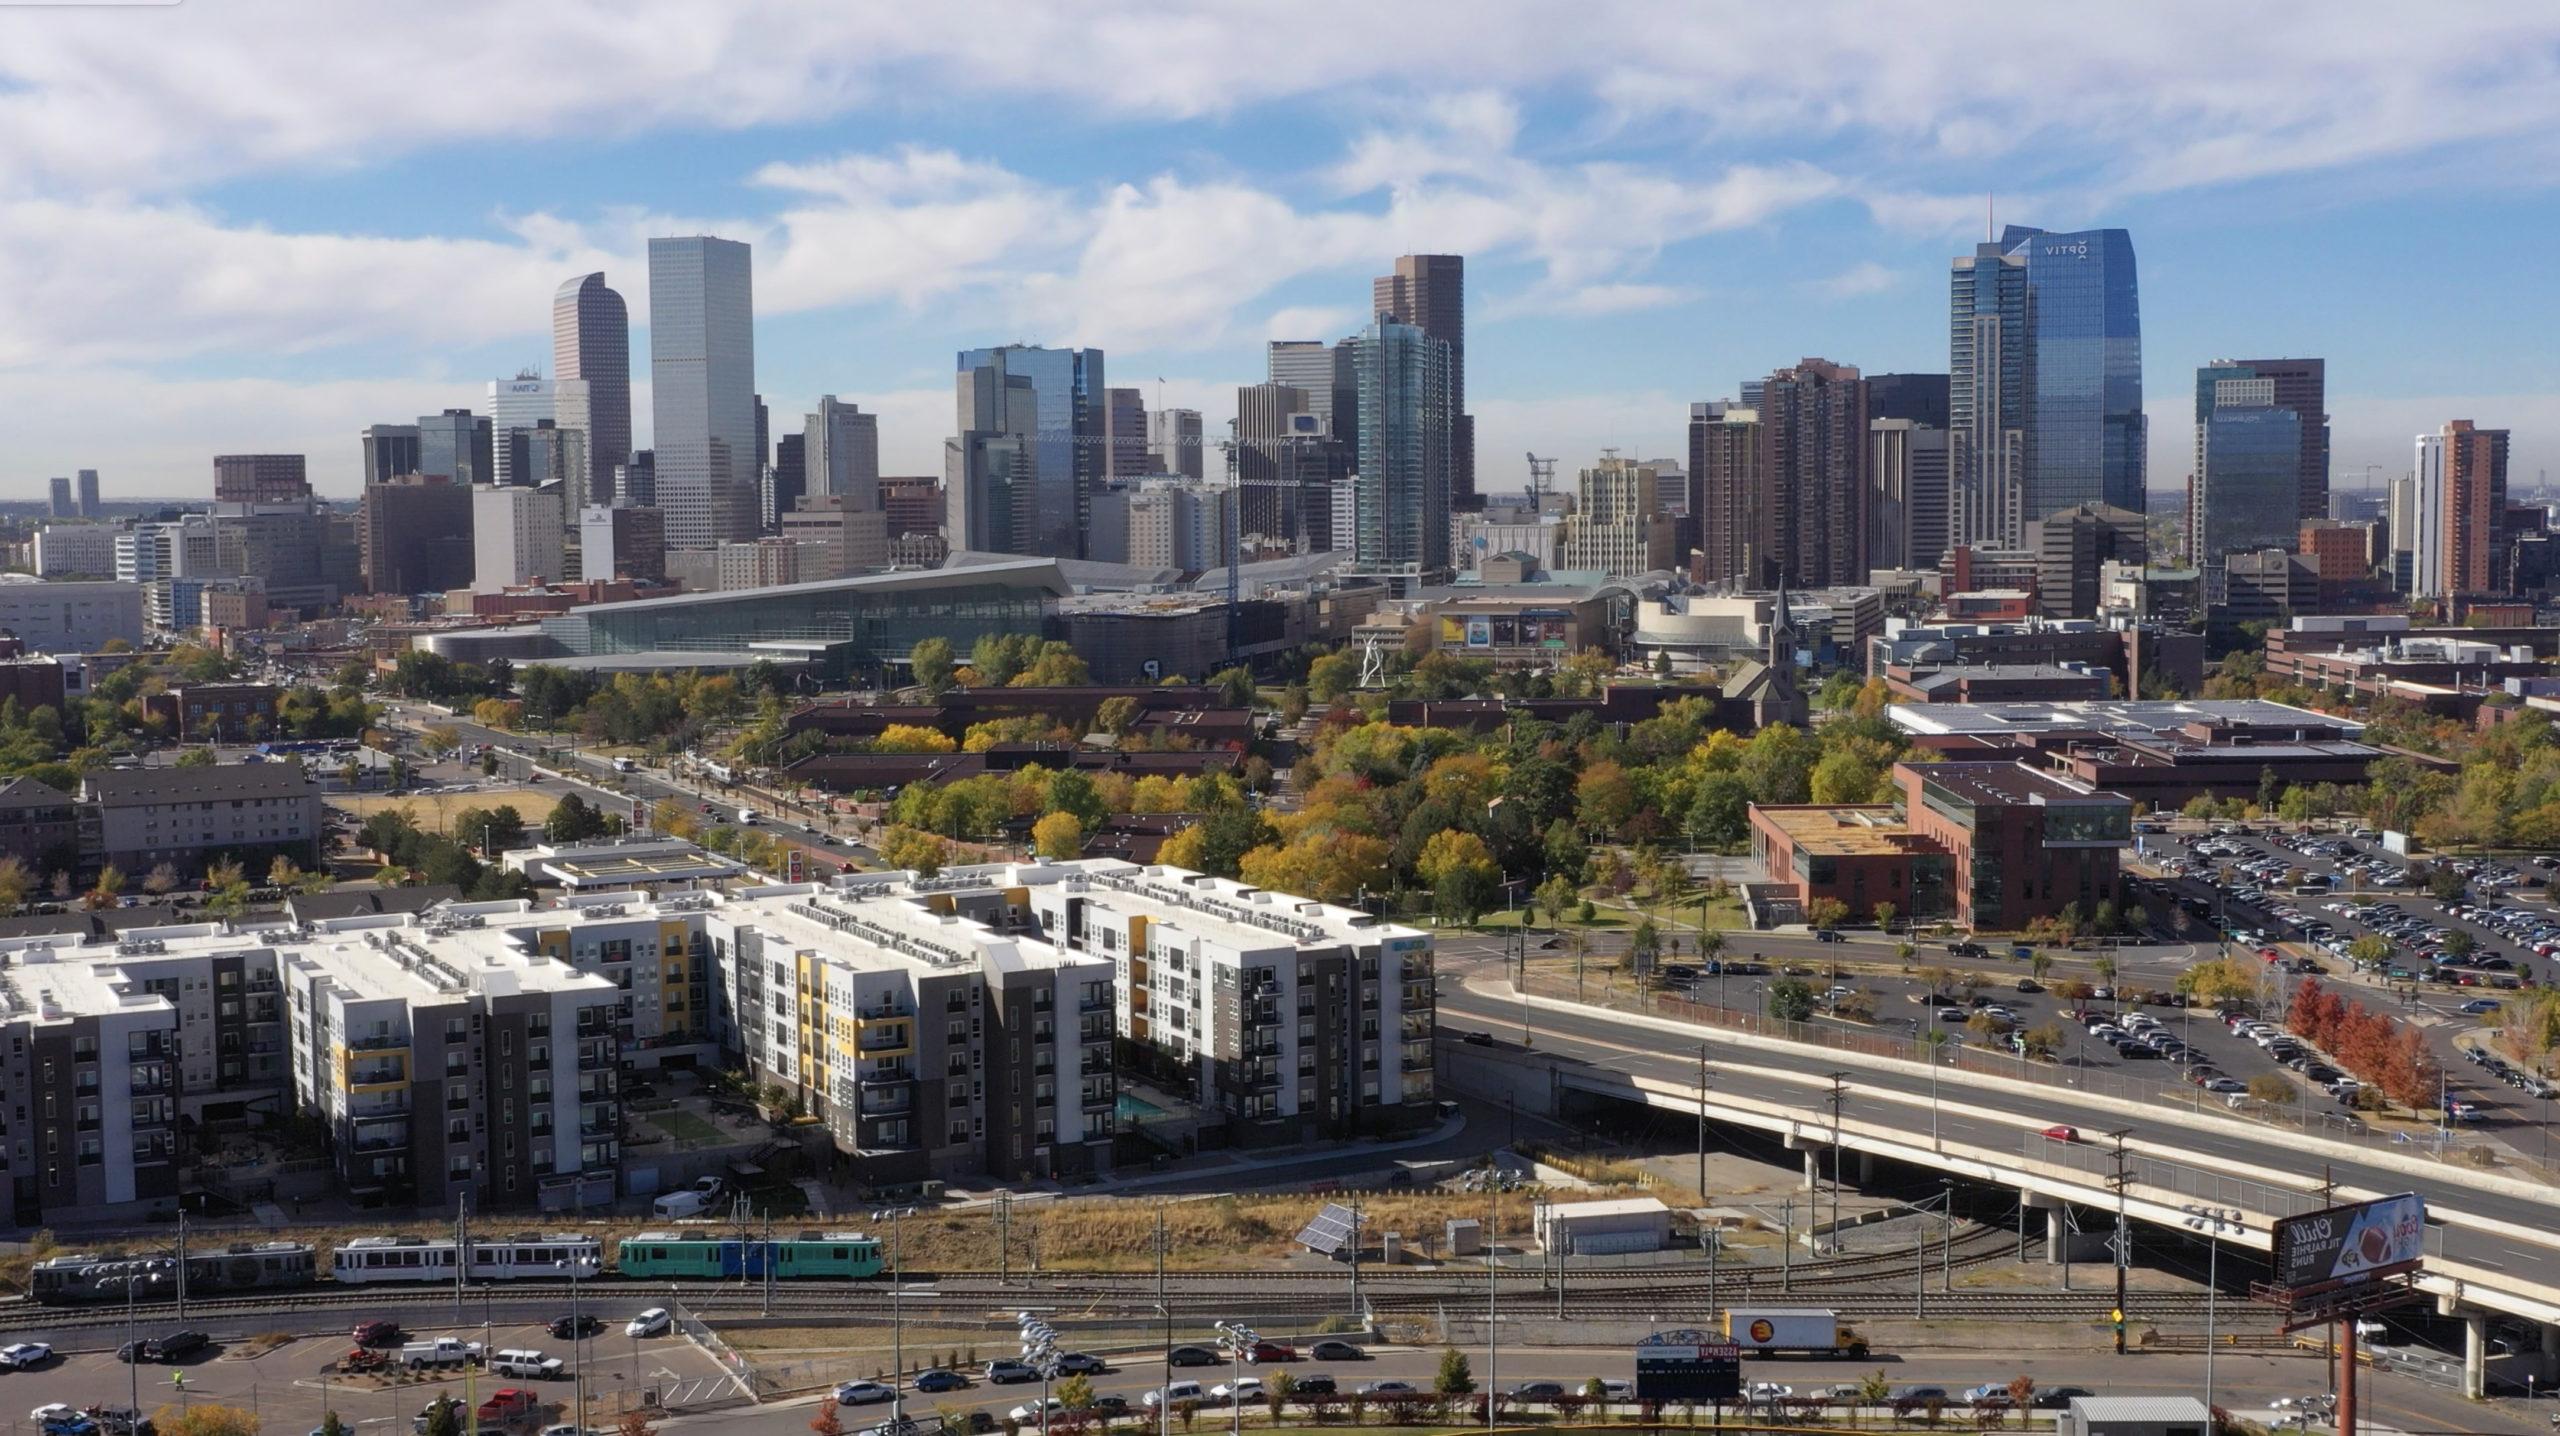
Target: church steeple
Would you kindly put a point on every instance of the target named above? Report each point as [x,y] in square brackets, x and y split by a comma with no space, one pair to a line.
[1782,628]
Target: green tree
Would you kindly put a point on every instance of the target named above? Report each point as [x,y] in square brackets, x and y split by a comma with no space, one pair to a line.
[1885,914]
[1455,1377]
[931,662]
[2370,950]
[1235,687]
[1076,1393]
[444,1418]
[1791,1000]
[1117,715]
[1825,913]
[1553,895]
[197,758]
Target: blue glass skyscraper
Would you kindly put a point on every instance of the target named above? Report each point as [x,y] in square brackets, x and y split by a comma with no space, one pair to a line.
[2045,380]
[1401,523]
[2085,437]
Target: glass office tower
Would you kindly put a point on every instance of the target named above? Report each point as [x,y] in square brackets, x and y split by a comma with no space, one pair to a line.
[702,370]
[1401,523]
[1070,455]
[2084,434]
[1987,398]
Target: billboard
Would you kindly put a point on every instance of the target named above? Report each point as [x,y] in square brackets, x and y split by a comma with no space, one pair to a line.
[1688,1366]
[2342,1246]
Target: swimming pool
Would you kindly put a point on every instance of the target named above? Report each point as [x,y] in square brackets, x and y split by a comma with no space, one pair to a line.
[1136,1109]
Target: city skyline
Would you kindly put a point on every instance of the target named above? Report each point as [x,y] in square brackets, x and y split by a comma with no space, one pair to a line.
[1178,224]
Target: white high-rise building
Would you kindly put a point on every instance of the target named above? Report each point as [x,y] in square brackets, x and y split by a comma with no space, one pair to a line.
[2426,529]
[518,403]
[517,536]
[702,369]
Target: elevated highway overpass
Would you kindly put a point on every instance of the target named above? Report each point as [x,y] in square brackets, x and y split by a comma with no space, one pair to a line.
[2493,1241]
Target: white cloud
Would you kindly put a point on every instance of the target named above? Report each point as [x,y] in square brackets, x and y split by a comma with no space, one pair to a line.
[1863,278]
[1312,321]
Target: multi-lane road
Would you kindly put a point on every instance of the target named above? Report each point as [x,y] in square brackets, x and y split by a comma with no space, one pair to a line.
[1800,1075]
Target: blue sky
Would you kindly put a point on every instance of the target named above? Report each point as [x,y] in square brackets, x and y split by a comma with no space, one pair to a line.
[262,225]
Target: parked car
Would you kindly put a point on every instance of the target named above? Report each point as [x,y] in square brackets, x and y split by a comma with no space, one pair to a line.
[938,1380]
[1315,1383]
[862,1393]
[1080,1363]
[1237,1392]
[653,1322]
[376,1333]
[1335,1350]
[569,1328]
[25,1355]
[1005,1371]
[2061,1133]
[1270,1351]
[1188,1356]
[1390,1388]
[1546,1391]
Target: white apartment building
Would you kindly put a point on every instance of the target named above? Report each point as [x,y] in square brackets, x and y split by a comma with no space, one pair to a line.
[83,550]
[86,1116]
[1295,1019]
[517,536]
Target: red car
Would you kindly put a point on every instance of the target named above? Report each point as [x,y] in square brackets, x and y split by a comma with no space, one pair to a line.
[376,1333]
[507,1403]
[1270,1351]
[2062,1134]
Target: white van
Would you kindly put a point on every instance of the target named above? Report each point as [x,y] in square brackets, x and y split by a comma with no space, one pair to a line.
[748,817]
[676,1206]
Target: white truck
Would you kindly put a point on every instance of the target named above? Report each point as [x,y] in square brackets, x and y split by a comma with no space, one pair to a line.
[625,765]
[678,1206]
[443,1351]
[748,817]
[1791,1330]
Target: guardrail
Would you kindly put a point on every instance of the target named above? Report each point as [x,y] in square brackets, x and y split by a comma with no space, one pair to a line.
[2307,1116]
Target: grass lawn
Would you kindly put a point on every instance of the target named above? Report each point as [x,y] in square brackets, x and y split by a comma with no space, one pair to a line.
[435,811]
[684,1128]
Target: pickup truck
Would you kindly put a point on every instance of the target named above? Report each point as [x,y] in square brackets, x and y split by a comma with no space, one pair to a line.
[444,1351]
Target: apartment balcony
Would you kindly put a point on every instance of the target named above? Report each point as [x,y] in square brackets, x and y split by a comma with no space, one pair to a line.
[595,1056]
[885,1043]
[593,1131]
[1102,1100]
[889,1100]
[1091,1002]
[377,1075]
[378,1042]
[871,1078]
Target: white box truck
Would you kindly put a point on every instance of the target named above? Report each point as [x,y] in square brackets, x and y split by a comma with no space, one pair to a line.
[1791,1330]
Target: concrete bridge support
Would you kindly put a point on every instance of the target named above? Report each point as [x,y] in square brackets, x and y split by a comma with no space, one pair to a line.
[2057,1232]
[2475,1355]
[2550,1374]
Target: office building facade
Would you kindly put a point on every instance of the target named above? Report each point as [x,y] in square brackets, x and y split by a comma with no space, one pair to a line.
[702,367]
[1906,494]
[1174,442]
[2300,387]
[416,535]
[2462,474]
[2248,475]
[1124,429]
[840,455]
[591,373]
[1032,447]
[1725,486]
[1617,527]
[518,536]
[515,406]
[622,541]
[390,450]
[247,479]
[1263,433]
[457,444]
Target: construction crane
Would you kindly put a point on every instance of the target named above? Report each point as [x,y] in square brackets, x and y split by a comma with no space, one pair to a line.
[1542,477]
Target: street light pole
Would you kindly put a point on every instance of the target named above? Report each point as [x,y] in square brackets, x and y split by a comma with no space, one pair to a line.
[577,1267]
[897,1311]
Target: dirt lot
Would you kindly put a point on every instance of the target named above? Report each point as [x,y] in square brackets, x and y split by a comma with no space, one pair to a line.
[435,810]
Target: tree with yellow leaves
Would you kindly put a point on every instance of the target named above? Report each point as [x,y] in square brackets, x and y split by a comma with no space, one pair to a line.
[1059,835]
[913,738]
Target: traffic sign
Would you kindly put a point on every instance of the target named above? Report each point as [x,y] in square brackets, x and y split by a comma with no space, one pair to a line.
[1688,1366]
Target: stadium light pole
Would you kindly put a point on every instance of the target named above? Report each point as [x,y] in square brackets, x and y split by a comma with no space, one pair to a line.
[896,1217]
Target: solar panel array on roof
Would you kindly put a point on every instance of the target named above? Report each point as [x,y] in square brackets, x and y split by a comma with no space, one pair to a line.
[1331,1230]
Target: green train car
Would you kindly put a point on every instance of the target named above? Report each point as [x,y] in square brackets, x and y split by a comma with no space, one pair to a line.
[837,1255]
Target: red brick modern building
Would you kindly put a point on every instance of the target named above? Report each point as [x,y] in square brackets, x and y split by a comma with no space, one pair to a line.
[1990,846]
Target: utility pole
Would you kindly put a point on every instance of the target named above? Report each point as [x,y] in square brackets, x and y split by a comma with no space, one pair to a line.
[1787,1248]
[1839,1095]
[181,1272]
[2121,1179]
[1492,1310]
[461,1249]
[1708,1233]
[1164,1405]
[1004,1239]
[768,1266]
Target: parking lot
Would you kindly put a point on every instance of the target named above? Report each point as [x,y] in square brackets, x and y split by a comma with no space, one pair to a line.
[291,1383]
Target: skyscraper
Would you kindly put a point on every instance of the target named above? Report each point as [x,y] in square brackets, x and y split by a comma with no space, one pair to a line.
[2300,386]
[1813,420]
[390,450]
[840,452]
[1066,429]
[1725,454]
[2470,469]
[1124,428]
[246,479]
[516,406]
[1429,291]
[414,535]
[1325,372]
[1401,528]
[59,502]
[88,493]
[2045,379]
[788,480]
[591,373]
[702,369]
[991,467]
[1173,442]
[456,444]
[1987,397]
[1920,398]
[1263,414]
[1906,492]
[2248,472]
